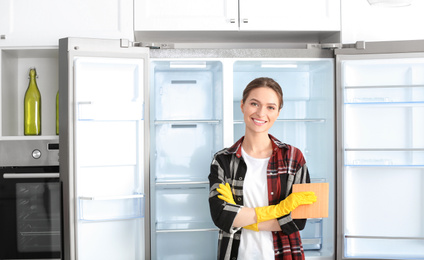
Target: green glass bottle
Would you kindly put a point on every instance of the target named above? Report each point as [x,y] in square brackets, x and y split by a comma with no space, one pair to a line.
[32,106]
[57,112]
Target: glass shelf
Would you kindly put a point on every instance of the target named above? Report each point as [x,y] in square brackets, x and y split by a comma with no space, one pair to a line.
[167,227]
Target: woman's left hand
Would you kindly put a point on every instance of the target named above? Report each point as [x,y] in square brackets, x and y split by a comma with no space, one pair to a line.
[226,194]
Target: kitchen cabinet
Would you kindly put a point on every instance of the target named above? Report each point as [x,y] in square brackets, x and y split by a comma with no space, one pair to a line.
[234,15]
[378,23]
[43,22]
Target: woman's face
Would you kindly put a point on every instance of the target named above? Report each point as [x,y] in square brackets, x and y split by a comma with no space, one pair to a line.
[260,110]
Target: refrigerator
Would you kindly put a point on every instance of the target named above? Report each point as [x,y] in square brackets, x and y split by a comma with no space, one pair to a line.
[139,127]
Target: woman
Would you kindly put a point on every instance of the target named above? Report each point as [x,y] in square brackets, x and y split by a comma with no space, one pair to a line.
[250,195]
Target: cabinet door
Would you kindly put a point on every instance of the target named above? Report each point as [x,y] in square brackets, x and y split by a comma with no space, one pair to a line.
[295,15]
[192,15]
[43,22]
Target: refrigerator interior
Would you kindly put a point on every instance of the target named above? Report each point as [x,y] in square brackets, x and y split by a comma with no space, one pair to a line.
[109,168]
[186,130]
[306,121]
[382,99]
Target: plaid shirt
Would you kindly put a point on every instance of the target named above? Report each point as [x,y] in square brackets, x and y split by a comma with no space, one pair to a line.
[286,167]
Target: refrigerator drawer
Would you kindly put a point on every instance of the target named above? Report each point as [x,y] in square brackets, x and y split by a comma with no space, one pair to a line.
[184,150]
[182,207]
[187,90]
[312,234]
[191,245]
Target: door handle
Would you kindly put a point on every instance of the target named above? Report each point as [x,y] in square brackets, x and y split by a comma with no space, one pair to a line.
[30,175]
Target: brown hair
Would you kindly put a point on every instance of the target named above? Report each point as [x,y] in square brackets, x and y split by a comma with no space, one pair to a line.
[264,82]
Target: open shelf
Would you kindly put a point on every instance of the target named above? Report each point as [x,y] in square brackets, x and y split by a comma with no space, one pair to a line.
[15,65]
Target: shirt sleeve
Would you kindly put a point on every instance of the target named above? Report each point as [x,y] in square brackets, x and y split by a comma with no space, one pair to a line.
[222,213]
[287,224]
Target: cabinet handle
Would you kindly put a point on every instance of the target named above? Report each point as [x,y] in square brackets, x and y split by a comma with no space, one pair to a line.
[245,20]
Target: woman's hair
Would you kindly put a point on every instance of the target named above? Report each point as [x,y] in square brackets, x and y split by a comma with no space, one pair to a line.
[264,82]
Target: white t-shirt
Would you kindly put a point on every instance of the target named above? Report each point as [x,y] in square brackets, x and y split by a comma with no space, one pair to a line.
[255,245]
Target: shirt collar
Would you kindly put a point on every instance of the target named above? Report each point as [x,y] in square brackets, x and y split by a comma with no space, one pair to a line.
[276,144]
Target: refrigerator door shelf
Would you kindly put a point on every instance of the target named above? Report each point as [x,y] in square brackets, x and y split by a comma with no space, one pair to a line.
[384,157]
[384,94]
[394,247]
[111,208]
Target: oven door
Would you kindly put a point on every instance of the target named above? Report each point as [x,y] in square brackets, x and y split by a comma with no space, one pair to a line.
[30,219]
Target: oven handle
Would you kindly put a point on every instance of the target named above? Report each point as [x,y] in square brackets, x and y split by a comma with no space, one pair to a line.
[30,175]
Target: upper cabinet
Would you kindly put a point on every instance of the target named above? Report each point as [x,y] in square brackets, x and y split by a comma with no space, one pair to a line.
[363,22]
[43,22]
[294,15]
[193,15]
[208,17]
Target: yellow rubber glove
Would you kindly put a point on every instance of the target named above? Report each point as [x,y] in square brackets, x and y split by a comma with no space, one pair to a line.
[285,206]
[227,195]
[253,227]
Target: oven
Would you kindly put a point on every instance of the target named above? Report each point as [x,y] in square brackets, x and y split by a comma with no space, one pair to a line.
[30,200]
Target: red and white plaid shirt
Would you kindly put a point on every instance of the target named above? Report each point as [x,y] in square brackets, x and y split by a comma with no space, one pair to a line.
[286,167]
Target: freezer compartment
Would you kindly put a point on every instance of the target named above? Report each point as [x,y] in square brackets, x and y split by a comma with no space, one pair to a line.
[111,208]
[187,245]
[184,150]
[187,90]
[120,240]
[392,206]
[311,235]
[183,208]
[387,126]
[384,247]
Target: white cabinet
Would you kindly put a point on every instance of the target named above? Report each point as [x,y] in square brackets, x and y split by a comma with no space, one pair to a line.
[232,15]
[363,22]
[165,15]
[43,22]
[294,15]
